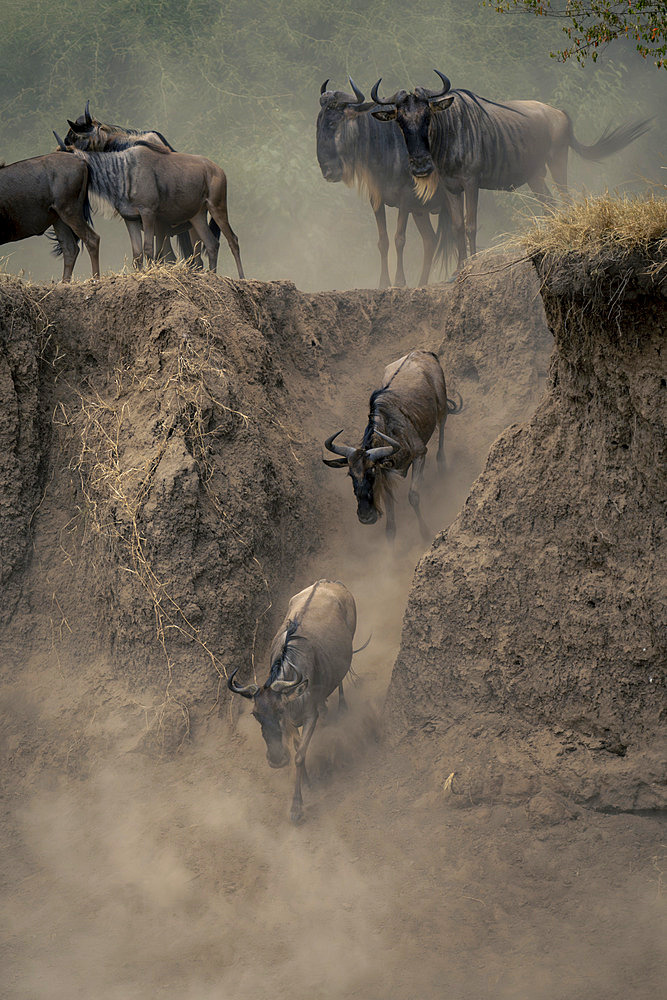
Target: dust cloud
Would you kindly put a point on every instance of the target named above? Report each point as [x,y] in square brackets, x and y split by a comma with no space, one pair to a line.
[183,877]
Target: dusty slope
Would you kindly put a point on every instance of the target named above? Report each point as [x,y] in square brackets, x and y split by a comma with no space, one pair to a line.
[166,452]
[127,875]
[542,608]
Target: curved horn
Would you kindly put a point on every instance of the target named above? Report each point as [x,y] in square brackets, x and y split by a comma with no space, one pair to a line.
[324,87]
[357,93]
[445,86]
[375,454]
[378,99]
[247,692]
[86,115]
[343,450]
[284,687]
[61,144]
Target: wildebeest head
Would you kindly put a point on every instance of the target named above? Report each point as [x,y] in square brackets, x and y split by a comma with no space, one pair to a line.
[83,133]
[270,709]
[336,109]
[364,466]
[412,113]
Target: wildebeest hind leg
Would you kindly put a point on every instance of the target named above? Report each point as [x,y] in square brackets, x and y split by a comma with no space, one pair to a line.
[202,229]
[69,246]
[80,228]
[413,496]
[217,206]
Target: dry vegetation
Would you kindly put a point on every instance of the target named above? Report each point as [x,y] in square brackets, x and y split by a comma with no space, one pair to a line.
[604,225]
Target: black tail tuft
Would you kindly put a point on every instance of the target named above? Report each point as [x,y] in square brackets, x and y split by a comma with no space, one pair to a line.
[215,228]
[611,141]
[453,407]
[56,249]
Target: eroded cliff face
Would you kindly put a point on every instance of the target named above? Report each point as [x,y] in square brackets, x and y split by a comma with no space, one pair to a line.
[538,617]
[163,489]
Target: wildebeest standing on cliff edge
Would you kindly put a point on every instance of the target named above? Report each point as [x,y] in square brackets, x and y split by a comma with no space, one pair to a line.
[311,654]
[143,184]
[93,136]
[354,148]
[467,142]
[45,191]
[403,413]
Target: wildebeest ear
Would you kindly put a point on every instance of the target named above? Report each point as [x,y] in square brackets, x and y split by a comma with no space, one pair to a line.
[335,463]
[75,127]
[385,116]
[441,103]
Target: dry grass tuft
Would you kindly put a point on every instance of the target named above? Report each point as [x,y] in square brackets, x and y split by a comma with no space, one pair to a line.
[605,225]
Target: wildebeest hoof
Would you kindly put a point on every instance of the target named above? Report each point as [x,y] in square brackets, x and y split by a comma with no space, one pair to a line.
[296,814]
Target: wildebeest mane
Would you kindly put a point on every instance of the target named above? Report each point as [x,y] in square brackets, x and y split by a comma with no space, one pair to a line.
[468,134]
[372,153]
[290,638]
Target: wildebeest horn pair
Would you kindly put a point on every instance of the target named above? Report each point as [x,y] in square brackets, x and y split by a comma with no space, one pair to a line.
[431,94]
[360,104]
[250,690]
[85,126]
[374,454]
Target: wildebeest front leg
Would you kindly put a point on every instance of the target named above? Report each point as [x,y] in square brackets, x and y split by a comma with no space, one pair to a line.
[383,245]
[296,812]
[458,225]
[391,518]
[342,704]
[471,199]
[148,221]
[399,240]
[413,495]
[440,457]
[423,224]
[134,230]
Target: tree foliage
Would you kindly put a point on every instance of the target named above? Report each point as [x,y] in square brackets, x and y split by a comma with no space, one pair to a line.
[591,25]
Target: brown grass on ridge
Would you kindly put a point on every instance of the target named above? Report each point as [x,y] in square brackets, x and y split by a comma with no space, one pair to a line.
[601,225]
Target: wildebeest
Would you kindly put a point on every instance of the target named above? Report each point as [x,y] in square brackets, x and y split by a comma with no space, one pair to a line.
[141,183]
[93,136]
[46,191]
[354,148]
[402,416]
[467,142]
[311,654]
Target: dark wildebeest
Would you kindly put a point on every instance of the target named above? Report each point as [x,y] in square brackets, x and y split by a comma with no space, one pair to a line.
[48,191]
[403,413]
[143,184]
[354,148]
[311,654]
[468,142]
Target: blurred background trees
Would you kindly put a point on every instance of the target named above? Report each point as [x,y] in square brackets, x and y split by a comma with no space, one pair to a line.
[238,80]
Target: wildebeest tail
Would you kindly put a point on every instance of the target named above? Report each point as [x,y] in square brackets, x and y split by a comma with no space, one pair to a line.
[56,249]
[215,228]
[364,645]
[452,406]
[611,140]
[445,247]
